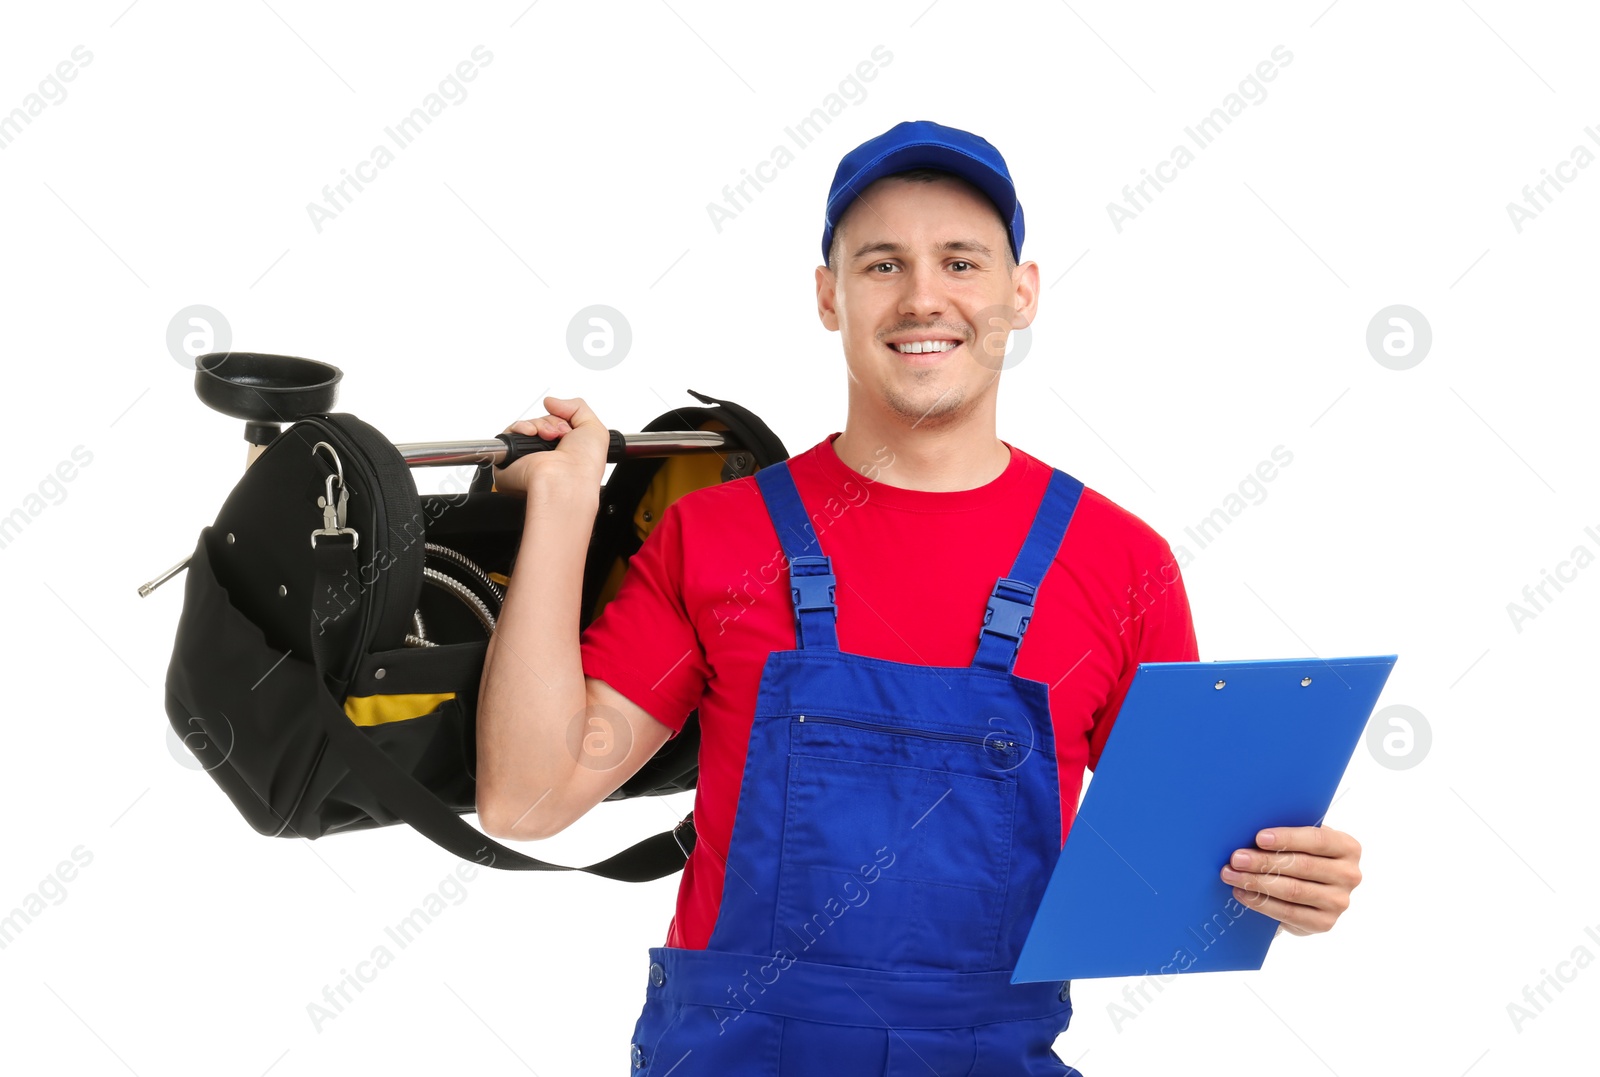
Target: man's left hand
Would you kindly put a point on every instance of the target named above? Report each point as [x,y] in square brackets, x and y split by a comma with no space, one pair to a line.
[1300,876]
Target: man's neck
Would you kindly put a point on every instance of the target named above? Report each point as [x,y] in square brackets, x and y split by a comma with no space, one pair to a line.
[937,461]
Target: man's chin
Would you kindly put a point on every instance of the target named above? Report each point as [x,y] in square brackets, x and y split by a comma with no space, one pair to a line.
[929,409]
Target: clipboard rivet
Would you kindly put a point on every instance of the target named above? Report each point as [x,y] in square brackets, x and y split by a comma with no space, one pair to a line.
[1219,685]
[1304,681]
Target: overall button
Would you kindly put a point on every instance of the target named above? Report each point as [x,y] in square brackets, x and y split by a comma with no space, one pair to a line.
[658,975]
[1066,991]
[638,1057]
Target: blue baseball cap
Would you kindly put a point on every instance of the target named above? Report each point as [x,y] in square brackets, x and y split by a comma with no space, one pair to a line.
[924,144]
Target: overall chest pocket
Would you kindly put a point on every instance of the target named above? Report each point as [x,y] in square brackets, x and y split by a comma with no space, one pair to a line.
[897,843]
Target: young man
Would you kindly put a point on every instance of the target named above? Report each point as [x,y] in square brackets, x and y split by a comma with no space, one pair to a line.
[905,644]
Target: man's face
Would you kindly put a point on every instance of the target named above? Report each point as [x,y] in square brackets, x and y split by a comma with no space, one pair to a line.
[925,262]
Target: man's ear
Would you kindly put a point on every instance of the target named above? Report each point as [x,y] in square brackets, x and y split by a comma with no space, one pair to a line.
[1025,279]
[827,297]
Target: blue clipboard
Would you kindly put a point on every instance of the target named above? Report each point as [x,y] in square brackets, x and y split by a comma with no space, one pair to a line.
[1203,755]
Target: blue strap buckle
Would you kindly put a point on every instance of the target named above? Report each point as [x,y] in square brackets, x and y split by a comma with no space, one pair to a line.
[1008,614]
[811,590]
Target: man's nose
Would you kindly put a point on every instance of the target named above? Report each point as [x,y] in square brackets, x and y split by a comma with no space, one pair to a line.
[923,293]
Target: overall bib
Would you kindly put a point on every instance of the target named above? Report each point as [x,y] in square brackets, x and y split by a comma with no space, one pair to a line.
[895,830]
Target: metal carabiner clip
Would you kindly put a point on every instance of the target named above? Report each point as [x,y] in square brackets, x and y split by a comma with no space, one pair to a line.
[333,509]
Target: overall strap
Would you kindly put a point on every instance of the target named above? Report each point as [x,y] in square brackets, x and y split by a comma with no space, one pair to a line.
[1010,606]
[811,579]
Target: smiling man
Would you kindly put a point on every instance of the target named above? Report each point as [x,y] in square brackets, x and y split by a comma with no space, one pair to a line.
[905,646]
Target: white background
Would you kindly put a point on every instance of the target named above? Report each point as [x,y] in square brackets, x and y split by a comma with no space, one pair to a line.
[1228,318]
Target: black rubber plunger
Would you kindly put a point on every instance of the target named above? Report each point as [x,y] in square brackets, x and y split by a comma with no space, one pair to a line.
[265,390]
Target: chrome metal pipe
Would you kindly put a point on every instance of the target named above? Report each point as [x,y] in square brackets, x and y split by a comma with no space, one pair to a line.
[644,443]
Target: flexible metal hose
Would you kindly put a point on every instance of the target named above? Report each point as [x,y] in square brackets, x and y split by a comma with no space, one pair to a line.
[486,616]
[463,592]
[466,562]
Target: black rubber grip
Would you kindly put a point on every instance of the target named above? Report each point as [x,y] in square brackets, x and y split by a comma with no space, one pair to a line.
[520,445]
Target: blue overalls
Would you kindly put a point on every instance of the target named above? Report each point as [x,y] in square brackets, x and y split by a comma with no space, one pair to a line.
[895,829]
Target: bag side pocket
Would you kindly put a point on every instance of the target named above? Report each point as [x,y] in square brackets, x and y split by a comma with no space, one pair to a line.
[235,702]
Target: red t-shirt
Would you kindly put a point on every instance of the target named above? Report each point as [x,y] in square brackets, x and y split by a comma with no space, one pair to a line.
[705,600]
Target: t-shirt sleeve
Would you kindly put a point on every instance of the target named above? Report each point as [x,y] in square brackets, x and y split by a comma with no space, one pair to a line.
[1163,631]
[643,643]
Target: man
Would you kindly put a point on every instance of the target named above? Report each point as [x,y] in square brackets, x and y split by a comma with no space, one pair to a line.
[905,645]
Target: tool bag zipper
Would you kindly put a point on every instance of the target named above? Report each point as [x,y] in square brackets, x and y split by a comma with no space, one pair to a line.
[350,437]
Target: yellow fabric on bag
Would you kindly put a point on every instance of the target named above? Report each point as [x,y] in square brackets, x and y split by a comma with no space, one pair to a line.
[677,476]
[380,710]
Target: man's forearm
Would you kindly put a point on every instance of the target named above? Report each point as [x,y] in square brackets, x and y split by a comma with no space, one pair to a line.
[533,687]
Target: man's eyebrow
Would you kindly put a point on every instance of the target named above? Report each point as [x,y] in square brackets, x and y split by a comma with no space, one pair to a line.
[970,246]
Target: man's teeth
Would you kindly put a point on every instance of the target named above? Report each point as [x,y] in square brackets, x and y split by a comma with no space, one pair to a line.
[917,347]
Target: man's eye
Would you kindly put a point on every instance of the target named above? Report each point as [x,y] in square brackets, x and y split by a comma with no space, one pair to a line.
[880,265]
[959,263]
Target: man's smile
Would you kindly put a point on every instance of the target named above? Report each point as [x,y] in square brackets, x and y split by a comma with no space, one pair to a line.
[923,350]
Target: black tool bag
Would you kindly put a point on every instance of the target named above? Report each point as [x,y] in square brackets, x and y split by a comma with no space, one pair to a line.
[334,628]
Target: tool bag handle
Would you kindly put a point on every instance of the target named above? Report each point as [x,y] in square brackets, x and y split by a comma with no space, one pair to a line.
[653,858]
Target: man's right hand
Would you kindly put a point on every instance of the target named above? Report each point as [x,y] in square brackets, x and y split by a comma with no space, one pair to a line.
[577,463]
